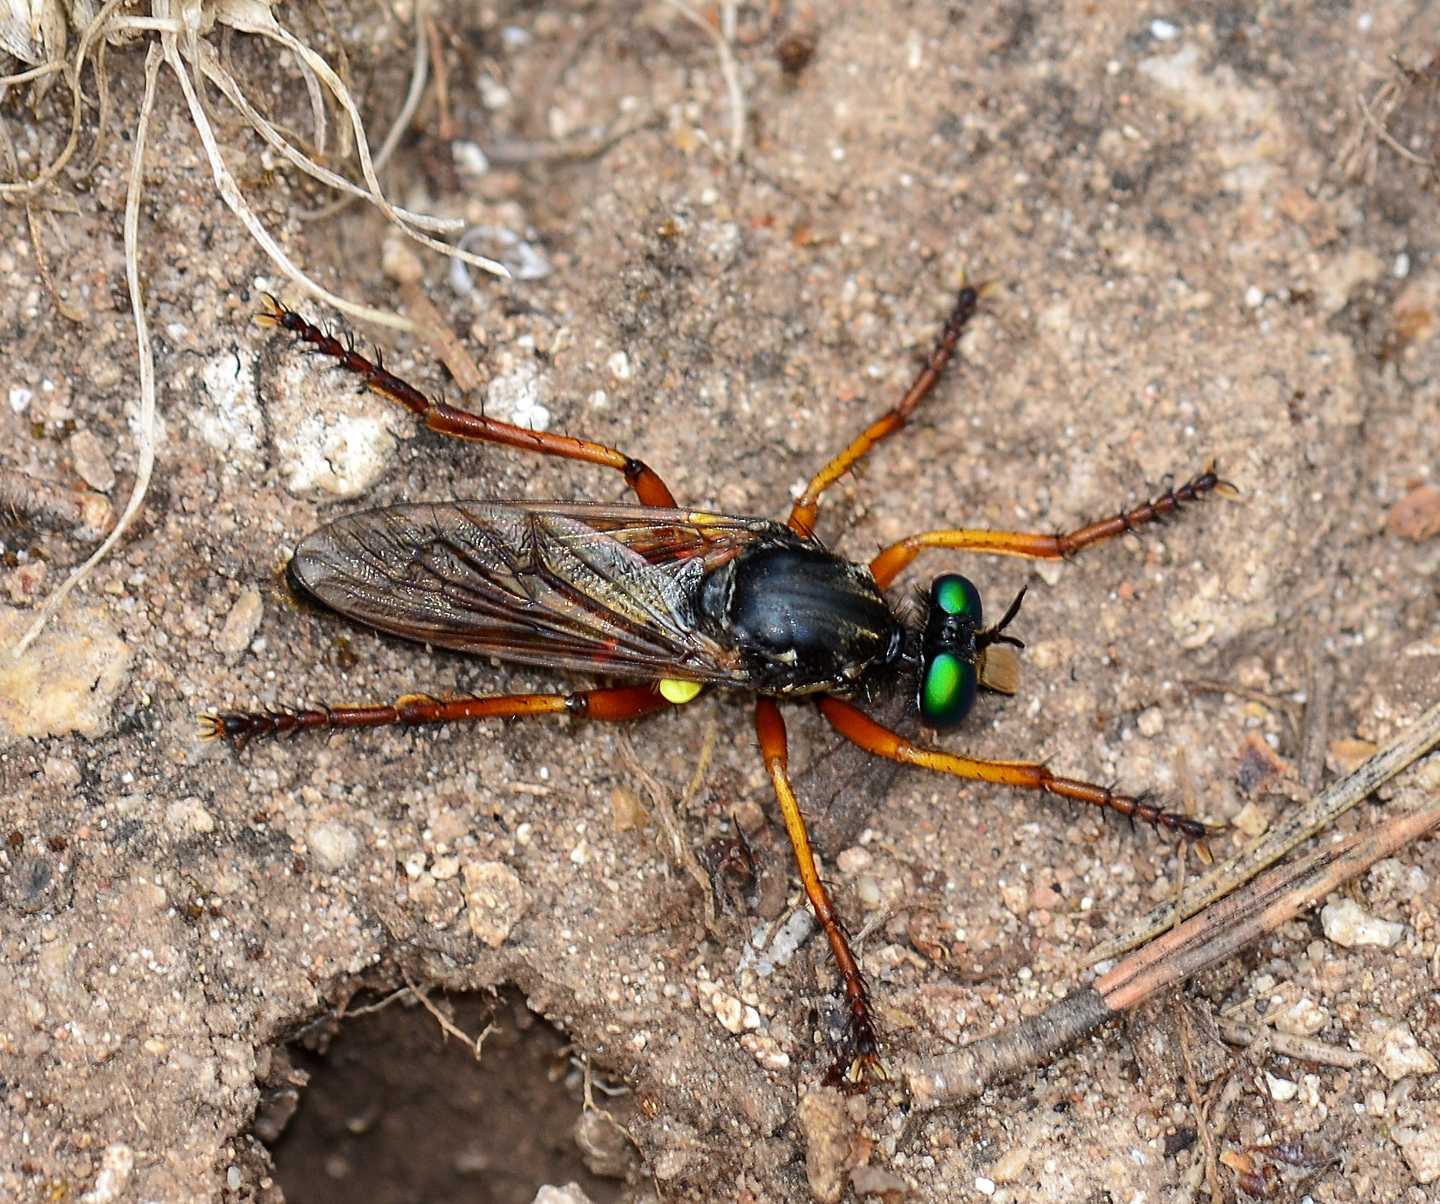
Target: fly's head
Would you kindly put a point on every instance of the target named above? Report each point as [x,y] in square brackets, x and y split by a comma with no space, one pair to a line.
[959,654]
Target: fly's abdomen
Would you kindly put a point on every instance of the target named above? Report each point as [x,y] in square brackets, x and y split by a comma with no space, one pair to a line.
[803,619]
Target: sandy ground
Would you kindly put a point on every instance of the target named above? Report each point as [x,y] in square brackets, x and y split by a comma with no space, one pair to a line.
[1202,250]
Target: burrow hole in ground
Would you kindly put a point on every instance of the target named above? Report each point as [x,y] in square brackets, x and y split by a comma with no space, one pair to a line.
[384,1106]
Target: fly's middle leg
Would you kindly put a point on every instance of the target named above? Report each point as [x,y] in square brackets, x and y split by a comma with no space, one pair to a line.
[862,1055]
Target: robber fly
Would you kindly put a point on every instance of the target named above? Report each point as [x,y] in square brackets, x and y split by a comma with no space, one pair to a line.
[673,601]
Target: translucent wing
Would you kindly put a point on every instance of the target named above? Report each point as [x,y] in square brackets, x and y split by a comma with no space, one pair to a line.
[611,589]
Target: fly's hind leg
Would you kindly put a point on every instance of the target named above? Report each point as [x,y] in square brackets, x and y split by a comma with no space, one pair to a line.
[615,704]
[890,562]
[862,1056]
[446,419]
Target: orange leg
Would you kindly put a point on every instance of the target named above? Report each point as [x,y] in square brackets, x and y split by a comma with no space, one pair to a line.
[802,514]
[864,1046]
[860,729]
[617,704]
[889,563]
[462,424]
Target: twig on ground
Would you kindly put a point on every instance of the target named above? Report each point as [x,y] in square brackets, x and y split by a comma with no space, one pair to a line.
[1217,933]
[1288,832]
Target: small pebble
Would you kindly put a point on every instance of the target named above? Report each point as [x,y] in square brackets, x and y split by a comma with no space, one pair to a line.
[828,1132]
[1049,571]
[627,812]
[749,817]
[1396,1052]
[571,1193]
[1151,722]
[620,367]
[1347,923]
[1010,1165]
[1416,516]
[1252,820]
[986,1187]
[1418,1136]
[117,1163]
[520,396]
[332,845]
[877,1181]
[1347,755]
[325,444]
[603,1144]
[495,900]
[1281,1090]
[189,815]
[1303,1018]
[765,1050]
[240,625]
[91,463]
[729,1011]
[66,681]
[1045,897]
[399,261]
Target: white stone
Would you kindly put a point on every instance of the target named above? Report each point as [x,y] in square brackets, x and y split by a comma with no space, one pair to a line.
[1418,1136]
[620,366]
[571,1193]
[1281,1090]
[765,1050]
[729,1011]
[519,396]
[495,900]
[1396,1052]
[67,680]
[1347,923]
[116,1165]
[1302,1018]
[341,455]
[332,844]
[241,624]
[226,414]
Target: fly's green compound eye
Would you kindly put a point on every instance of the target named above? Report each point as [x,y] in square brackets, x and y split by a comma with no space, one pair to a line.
[956,595]
[947,690]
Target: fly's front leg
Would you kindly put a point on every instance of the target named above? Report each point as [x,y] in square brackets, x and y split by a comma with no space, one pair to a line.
[412,710]
[446,419]
[889,564]
[802,514]
[860,729]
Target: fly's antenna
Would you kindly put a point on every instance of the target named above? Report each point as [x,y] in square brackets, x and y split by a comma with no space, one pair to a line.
[993,635]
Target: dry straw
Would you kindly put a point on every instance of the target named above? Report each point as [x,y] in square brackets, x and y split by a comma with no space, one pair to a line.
[180,33]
